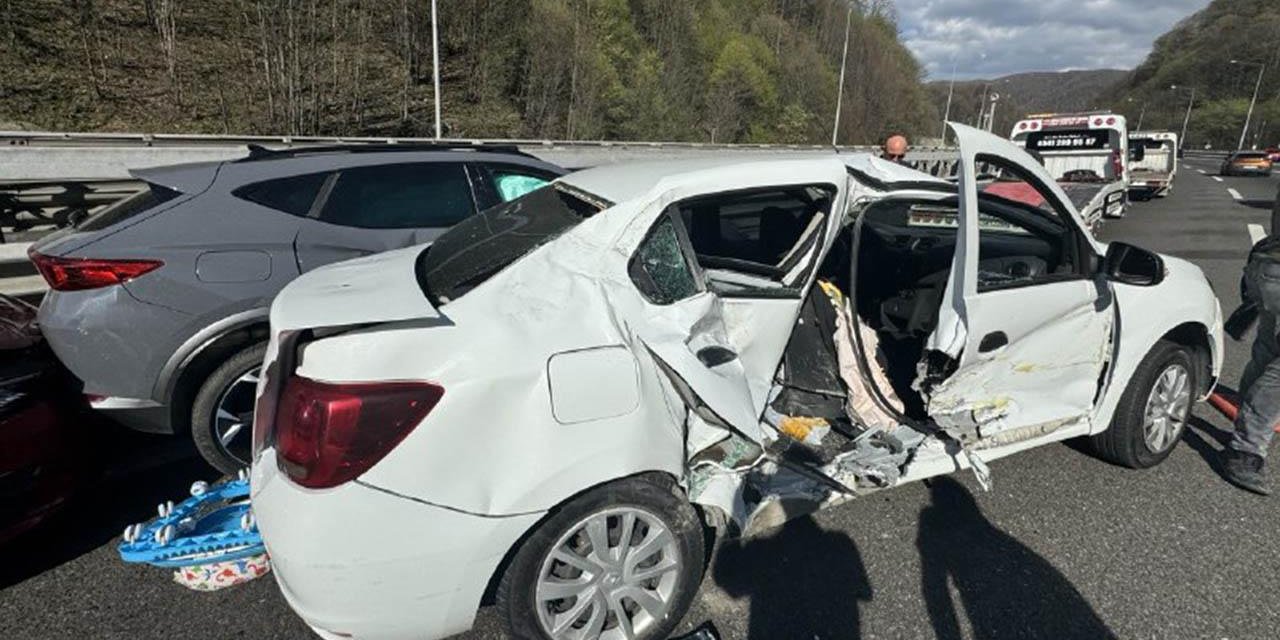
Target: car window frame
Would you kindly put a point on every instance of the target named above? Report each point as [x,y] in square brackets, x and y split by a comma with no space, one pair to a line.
[484,183]
[1086,259]
[804,243]
[671,215]
[321,193]
[326,190]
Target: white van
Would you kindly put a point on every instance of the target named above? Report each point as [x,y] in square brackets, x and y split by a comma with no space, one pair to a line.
[1087,153]
[1153,175]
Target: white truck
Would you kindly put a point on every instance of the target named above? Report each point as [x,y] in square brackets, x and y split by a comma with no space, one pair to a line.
[1152,174]
[1087,153]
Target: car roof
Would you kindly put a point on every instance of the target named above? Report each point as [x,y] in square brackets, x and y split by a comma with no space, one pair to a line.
[265,167]
[626,181]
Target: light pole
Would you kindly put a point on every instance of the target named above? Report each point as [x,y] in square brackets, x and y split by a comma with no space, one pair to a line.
[435,64]
[1262,68]
[951,89]
[1182,139]
[844,57]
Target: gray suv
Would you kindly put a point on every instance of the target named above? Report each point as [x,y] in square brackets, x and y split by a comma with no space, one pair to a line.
[159,303]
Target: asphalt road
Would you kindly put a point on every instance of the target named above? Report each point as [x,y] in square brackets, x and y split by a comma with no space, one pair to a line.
[1064,546]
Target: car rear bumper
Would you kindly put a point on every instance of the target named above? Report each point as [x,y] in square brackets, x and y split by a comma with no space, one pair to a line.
[359,562]
[115,345]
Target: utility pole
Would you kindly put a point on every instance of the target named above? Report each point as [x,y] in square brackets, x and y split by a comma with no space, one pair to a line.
[1182,140]
[844,58]
[951,89]
[435,63]
[1262,68]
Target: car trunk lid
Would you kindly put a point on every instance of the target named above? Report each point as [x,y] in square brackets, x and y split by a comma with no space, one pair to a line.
[374,289]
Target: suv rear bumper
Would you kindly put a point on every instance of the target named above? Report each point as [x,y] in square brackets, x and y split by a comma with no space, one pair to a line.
[115,345]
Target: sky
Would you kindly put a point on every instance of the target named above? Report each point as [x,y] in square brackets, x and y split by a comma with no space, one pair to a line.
[992,38]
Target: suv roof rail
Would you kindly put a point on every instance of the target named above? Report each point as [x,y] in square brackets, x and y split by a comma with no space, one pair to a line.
[259,152]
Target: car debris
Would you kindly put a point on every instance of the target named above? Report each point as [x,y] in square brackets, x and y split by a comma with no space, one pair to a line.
[211,539]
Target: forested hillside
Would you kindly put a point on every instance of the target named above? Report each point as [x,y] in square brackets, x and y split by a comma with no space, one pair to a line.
[1024,93]
[1198,53]
[708,70]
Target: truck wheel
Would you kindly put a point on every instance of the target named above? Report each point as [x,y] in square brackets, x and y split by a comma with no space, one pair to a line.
[621,560]
[1153,411]
[222,414]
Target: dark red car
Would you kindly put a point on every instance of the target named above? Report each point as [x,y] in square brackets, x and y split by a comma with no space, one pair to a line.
[43,452]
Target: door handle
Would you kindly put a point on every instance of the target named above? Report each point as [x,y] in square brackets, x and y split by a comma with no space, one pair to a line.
[993,341]
[715,356]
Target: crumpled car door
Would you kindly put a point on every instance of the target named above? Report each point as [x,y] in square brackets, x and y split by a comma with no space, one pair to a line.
[682,326]
[1028,359]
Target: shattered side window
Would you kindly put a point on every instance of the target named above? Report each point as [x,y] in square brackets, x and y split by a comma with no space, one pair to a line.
[659,268]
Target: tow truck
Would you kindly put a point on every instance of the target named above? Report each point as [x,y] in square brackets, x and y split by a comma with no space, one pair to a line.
[1153,175]
[1087,153]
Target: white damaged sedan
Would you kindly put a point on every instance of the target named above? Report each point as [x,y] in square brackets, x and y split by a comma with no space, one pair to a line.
[557,401]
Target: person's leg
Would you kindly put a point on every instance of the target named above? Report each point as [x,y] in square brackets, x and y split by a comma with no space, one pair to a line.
[1259,407]
[1255,424]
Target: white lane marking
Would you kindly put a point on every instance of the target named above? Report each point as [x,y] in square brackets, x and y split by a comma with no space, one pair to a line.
[1255,233]
[1203,172]
[1216,178]
[1234,194]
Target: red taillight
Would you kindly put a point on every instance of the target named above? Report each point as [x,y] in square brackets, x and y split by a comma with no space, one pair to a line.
[75,274]
[327,434]
[1111,121]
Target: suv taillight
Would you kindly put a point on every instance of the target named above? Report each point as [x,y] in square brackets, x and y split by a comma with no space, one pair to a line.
[75,274]
[327,434]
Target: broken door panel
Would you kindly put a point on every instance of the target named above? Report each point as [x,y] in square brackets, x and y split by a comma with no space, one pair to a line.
[1029,357]
[689,338]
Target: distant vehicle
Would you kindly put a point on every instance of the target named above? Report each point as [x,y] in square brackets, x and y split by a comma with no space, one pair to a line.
[564,418]
[44,453]
[1153,175]
[1273,154]
[1087,153]
[1246,163]
[159,303]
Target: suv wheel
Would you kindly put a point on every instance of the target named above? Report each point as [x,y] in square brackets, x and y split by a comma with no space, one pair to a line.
[222,414]
[1153,412]
[621,560]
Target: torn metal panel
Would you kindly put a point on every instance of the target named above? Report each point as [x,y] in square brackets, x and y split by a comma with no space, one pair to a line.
[1059,341]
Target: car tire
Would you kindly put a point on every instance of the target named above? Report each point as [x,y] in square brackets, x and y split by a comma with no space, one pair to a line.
[660,506]
[1137,437]
[232,383]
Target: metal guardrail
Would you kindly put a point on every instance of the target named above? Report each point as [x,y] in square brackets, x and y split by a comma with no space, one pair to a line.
[49,177]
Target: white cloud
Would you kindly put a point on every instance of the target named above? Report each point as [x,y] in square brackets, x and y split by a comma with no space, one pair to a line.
[991,38]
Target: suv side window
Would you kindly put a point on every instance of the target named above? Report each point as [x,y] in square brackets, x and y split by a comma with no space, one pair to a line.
[497,183]
[292,195]
[400,196]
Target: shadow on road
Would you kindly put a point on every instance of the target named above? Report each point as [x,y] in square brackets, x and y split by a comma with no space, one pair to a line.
[1202,438]
[1005,589]
[1257,204]
[804,582]
[143,471]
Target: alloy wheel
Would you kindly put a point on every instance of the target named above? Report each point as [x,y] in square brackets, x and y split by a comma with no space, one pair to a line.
[613,575]
[233,416]
[1167,407]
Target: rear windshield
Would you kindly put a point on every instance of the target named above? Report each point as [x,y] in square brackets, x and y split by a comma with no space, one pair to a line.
[482,245]
[1250,155]
[135,204]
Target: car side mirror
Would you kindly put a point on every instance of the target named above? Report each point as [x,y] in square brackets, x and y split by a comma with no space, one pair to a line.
[1137,153]
[1128,264]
